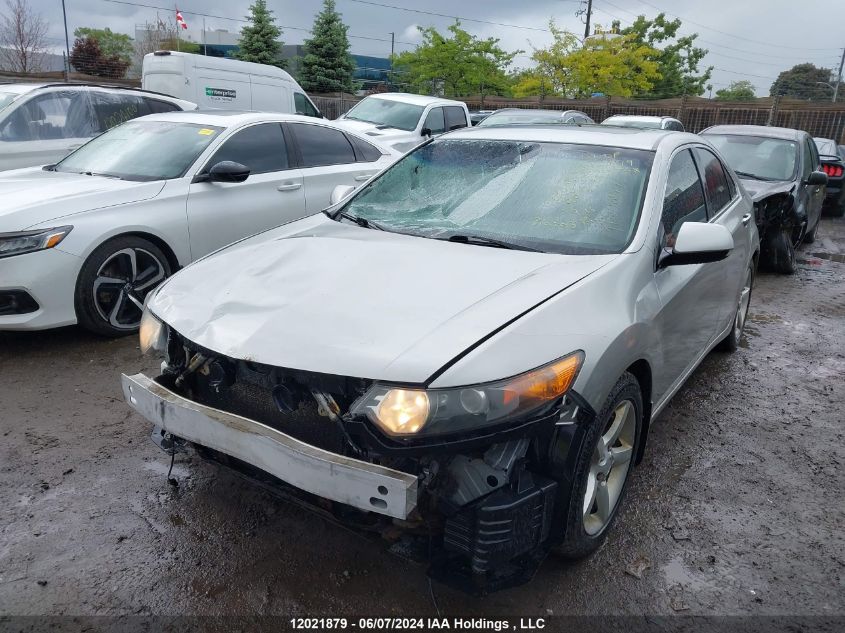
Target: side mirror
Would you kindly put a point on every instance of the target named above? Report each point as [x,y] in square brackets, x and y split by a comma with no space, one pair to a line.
[425,132]
[698,243]
[817,178]
[228,171]
[340,192]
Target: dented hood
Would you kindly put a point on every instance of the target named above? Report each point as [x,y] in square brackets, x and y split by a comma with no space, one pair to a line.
[760,189]
[336,298]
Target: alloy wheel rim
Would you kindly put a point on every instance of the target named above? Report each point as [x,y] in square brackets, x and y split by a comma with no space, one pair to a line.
[742,309]
[609,467]
[122,283]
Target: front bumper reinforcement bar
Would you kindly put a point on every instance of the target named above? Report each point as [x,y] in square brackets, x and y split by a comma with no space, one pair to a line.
[356,483]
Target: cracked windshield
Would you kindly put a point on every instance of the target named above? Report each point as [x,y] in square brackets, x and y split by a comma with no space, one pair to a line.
[572,199]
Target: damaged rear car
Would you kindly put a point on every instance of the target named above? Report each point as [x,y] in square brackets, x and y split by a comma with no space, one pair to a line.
[471,348]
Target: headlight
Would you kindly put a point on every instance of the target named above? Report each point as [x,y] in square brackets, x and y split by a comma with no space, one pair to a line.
[153,333]
[403,412]
[31,241]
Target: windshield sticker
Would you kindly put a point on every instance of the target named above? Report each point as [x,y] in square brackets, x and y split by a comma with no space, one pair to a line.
[205,132]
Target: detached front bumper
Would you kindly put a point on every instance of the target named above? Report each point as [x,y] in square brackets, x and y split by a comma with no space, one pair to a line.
[365,486]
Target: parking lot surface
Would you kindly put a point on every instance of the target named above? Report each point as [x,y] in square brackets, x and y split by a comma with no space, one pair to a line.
[736,509]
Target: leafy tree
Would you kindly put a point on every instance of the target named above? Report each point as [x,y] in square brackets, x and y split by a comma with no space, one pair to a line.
[111,44]
[463,63]
[737,91]
[327,65]
[259,41]
[802,82]
[615,65]
[87,57]
[678,58]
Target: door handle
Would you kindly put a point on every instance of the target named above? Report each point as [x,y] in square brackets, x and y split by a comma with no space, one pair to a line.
[363,177]
[289,186]
[746,219]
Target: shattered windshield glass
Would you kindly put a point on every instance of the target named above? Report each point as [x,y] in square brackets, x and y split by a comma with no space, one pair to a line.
[560,198]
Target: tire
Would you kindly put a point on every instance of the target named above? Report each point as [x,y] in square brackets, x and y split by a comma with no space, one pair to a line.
[108,294]
[731,342]
[782,251]
[585,531]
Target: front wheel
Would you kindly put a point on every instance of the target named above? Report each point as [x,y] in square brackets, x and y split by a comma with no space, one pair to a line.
[731,342]
[603,468]
[782,251]
[113,283]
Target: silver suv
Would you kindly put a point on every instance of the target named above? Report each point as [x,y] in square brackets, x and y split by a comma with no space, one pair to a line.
[41,123]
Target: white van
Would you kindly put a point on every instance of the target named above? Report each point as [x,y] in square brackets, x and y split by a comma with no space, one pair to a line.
[219,83]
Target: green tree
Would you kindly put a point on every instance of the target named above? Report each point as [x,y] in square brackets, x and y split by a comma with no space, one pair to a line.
[463,63]
[259,41]
[737,91]
[616,65]
[803,81]
[678,58]
[327,65]
[112,45]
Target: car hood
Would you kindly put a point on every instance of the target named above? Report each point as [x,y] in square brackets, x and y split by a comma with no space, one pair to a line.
[386,135]
[759,189]
[33,196]
[334,298]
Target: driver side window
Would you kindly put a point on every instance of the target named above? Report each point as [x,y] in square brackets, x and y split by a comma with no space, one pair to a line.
[435,121]
[683,200]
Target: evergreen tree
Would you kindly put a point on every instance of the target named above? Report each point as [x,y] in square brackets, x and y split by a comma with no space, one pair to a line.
[327,65]
[259,41]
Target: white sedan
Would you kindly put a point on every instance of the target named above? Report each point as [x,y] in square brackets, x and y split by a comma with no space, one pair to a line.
[85,240]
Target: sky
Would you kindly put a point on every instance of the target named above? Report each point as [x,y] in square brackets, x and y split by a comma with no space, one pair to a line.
[747,39]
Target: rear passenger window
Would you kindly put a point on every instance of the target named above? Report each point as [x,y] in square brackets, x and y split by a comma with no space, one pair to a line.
[435,121]
[260,147]
[715,180]
[455,117]
[366,152]
[157,107]
[112,109]
[321,145]
[304,106]
[683,200]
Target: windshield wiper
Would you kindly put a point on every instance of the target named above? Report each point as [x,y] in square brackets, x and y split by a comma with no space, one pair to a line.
[745,174]
[94,173]
[362,222]
[384,126]
[488,241]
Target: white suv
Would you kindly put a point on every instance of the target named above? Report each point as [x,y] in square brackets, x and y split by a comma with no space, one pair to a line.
[41,123]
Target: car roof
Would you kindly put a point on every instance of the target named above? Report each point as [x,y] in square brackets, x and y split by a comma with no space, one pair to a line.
[640,117]
[530,111]
[625,137]
[20,88]
[422,100]
[24,88]
[756,130]
[228,118]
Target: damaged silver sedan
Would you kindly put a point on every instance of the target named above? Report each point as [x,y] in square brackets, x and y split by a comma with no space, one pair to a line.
[470,348]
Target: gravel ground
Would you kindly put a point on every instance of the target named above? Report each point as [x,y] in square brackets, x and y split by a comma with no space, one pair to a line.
[736,509]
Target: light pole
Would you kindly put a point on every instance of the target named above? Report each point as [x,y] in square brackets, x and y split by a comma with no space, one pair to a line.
[67,44]
[831,86]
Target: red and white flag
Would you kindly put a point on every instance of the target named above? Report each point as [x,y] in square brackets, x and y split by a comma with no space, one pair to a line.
[180,20]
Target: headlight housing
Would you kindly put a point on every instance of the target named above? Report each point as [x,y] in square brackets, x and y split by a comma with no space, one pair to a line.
[152,333]
[31,241]
[413,412]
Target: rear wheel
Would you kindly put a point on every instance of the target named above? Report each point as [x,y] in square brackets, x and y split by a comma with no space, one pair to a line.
[113,283]
[603,469]
[731,342]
